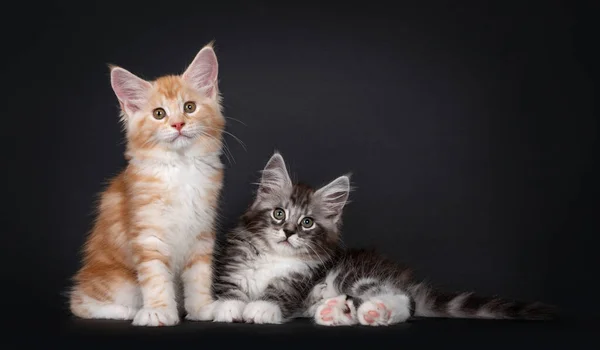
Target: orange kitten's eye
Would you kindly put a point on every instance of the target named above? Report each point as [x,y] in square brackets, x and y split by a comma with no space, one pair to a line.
[189,107]
[159,113]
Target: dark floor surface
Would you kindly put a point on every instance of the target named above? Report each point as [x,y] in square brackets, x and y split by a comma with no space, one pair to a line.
[421,333]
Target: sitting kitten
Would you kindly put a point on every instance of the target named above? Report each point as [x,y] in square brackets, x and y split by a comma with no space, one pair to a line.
[284,261]
[155,225]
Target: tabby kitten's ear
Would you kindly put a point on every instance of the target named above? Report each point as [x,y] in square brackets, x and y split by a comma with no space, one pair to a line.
[275,177]
[132,91]
[334,196]
[203,72]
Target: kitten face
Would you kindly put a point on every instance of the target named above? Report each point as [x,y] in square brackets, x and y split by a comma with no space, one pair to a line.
[294,219]
[175,116]
[294,223]
[172,112]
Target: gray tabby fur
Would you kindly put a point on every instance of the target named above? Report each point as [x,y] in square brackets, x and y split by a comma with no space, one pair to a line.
[271,271]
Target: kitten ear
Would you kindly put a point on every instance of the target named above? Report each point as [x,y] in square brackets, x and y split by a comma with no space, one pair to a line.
[275,177]
[131,90]
[202,73]
[334,196]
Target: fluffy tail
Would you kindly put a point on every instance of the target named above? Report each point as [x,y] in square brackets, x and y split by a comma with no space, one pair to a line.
[431,303]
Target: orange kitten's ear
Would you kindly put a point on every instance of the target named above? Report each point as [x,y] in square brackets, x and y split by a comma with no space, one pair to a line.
[202,73]
[131,90]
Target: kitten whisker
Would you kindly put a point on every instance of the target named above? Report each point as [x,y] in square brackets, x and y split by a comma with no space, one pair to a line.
[317,254]
[226,150]
[237,120]
[237,139]
[232,135]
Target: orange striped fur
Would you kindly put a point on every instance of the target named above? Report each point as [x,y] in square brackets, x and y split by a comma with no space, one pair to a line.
[149,253]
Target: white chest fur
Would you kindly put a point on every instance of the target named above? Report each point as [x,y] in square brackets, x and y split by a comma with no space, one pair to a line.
[185,212]
[254,277]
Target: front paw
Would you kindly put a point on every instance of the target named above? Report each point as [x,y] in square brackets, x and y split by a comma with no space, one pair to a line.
[204,313]
[156,317]
[262,312]
[228,311]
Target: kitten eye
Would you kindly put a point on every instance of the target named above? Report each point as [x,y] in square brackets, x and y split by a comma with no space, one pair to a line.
[307,222]
[189,107]
[278,214]
[159,113]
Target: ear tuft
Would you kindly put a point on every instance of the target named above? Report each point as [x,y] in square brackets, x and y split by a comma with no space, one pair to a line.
[131,90]
[334,196]
[203,72]
[211,44]
[275,177]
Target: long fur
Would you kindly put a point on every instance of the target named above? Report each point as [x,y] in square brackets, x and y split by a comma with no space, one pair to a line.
[271,271]
[149,255]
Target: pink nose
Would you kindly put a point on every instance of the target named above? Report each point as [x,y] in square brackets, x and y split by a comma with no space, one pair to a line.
[178,126]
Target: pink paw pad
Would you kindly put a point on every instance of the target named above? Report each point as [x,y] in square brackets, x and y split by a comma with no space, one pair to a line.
[379,314]
[331,304]
[335,310]
[325,314]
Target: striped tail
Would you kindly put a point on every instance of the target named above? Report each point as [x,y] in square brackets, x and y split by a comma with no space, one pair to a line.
[429,302]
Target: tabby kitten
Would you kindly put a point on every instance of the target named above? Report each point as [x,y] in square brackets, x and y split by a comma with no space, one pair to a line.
[284,261]
[155,229]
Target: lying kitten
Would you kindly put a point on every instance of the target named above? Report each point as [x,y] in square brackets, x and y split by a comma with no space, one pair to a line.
[284,261]
[155,226]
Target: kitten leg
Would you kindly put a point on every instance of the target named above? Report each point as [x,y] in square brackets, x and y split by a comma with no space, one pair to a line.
[103,299]
[383,310]
[229,310]
[156,282]
[96,310]
[231,303]
[315,299]
[320,292]
[282,300]
[197,279]
[205,313]
[337,311]
[262,311]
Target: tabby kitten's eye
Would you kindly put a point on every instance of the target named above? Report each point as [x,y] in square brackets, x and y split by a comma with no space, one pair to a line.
[189,107]
[159,113]
[307,222]
[278,214]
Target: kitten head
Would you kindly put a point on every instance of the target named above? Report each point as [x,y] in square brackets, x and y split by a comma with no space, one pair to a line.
[295,219]
[173,112]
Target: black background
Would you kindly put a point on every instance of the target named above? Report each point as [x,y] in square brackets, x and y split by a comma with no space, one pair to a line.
[469,128]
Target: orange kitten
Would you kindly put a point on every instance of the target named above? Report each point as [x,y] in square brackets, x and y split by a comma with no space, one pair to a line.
[155,229]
